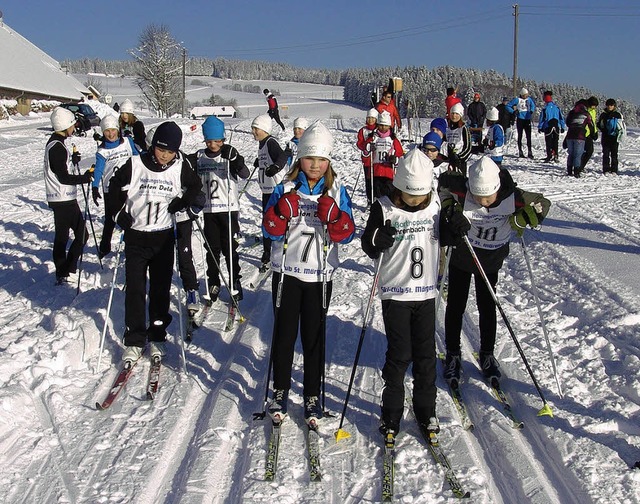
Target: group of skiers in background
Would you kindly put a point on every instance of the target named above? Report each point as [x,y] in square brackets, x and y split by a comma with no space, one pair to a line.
[426,203]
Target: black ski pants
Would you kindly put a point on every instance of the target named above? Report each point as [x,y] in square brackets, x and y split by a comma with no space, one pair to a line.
[275,115]
[588,152]
[157,261]
[216,229]
[551,137]
[524,125]
[184,231]
[301,306]
[410,330]
[609,154]
[107,229]
[67,217]
[266,242]
[459,283]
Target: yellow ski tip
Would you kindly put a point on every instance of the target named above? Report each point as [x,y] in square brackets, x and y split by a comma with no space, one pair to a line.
[342,434]
[545,411]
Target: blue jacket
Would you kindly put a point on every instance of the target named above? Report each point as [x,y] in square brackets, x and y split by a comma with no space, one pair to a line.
[345,200]
[529,108]
[549,112]
[101,161]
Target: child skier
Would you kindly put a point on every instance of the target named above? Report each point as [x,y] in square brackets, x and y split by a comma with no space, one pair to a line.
[112,153]
[219,166]
[551,123]
[494,141]
[309,204]
[458,139]
[488,206]
[270,163]
[403,227]
[364,134]
[131,126]
[431,144]
[386,149]
[145,192]
[611,123]
[61,188]
[300,124]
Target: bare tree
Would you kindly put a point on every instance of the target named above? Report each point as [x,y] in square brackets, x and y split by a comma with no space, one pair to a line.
[158,73]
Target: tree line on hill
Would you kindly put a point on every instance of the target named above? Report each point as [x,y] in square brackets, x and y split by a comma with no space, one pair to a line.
[424,89]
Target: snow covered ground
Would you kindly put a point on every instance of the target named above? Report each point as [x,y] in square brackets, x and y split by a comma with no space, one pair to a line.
[197,442]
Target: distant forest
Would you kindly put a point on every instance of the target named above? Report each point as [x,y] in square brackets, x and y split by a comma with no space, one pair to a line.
[424,89]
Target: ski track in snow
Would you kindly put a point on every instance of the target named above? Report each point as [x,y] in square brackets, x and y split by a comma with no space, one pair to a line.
[197,441]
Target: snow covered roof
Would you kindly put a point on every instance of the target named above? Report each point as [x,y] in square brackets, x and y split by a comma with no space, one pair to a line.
[24,67]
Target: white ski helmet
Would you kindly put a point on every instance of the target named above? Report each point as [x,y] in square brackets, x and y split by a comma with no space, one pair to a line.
[484,177]
[301,122]
[372,113]
[457,109]
[384,119]
[62,119]
[262,122]
[316,141]
[109,122]
[414,173]
[493,114]
[524,91]
[126,107]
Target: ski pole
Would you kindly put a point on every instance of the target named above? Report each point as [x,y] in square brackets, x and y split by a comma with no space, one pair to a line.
[325,307]
[285,245]
[106,316]
[341,433]
[217,263]
[544,326]
[230,234]
[88,211]
[355,185]
[546,409]
[445,274]
[244,188]
[180,307]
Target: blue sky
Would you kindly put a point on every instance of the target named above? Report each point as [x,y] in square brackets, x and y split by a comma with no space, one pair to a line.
[589,43]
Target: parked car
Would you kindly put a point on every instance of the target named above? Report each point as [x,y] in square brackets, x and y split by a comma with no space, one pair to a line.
[86,118]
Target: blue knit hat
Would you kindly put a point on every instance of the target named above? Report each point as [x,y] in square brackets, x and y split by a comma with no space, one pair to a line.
[213,129]
[432,138]
[440,124]
[167,136]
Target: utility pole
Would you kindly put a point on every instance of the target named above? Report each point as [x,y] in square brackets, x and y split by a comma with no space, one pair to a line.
[516,11]
[184,78]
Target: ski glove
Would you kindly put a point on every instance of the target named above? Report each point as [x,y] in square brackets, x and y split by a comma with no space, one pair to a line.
[229,152]
[393,159]
[271,170]
[124,220]
[384,237]
[76,157]
[88,176]
[175,205]
[97,137]
[328,210]
[524,217]
[193,211]
[287,206]
[459,224]
[96,195]
[256,162]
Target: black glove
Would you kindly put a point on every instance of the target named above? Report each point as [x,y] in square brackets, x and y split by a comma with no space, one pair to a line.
[229,152]
[595,136]
[539,130]
[124,220]
[459,224]
[288,152]
[88,176]
[96,195]
[76,157]
[393,159]
[194,212]
[370,135]
[175,205]
[383,238]
[126,133]
[198,204]
[271,170]
[256,163]
[97,137]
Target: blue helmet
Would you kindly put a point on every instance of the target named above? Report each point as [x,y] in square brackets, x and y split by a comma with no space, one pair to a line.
[213,128]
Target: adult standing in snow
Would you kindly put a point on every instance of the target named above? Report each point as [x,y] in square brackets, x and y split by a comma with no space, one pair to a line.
[397,227]
[579,126]
[611,123]
[476,115]
[591,135]
[146,191]
[273,111]
[309,206]
[388,104]
[523,107]
[386,149]
[488,207]
[505,118]
[364,134]
[451,100]
[113,152]
[551,123]
[62,192]
[458,139]
[270,163]
[130,125]
[219,166]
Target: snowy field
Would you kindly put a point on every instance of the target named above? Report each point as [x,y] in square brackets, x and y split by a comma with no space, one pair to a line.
[197,442]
